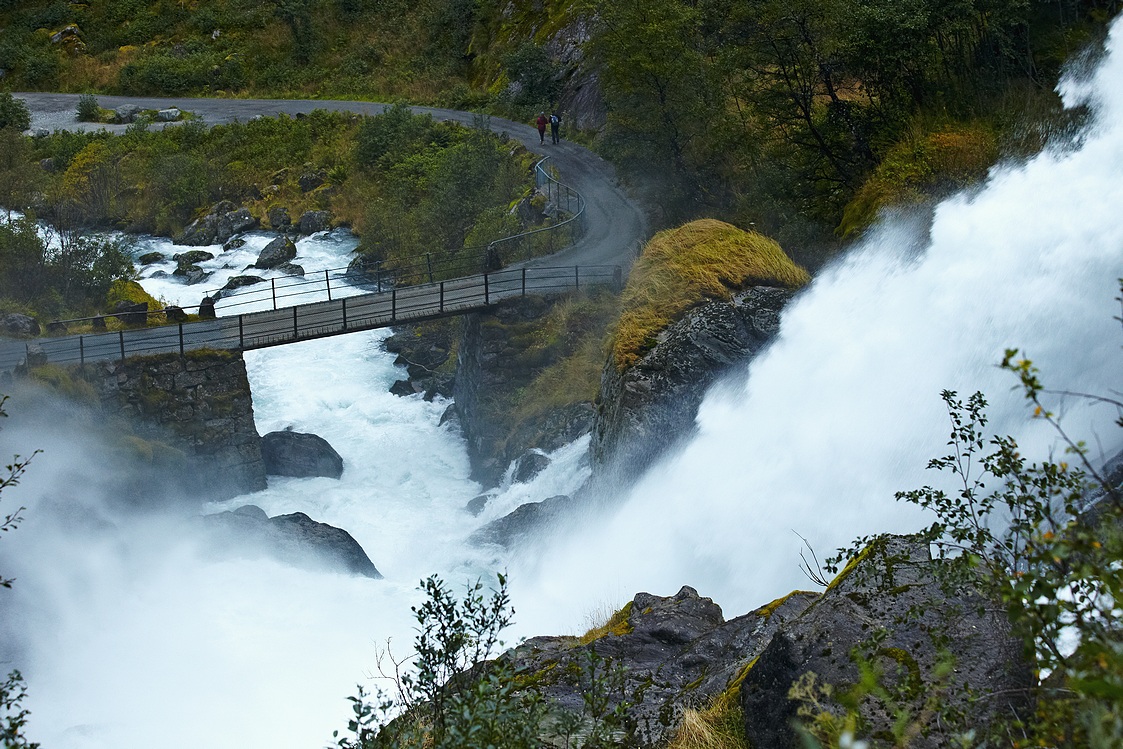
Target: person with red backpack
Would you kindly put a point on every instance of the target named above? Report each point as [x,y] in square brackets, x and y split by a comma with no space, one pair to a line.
[541,122]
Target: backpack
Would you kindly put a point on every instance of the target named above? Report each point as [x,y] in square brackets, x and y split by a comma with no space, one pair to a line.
[554,119]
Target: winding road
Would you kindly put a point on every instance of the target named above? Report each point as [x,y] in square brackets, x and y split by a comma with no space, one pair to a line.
[614,228]
[614,224]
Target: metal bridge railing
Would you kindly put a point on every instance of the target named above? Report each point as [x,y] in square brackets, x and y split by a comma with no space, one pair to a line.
[254,330]
[376,276]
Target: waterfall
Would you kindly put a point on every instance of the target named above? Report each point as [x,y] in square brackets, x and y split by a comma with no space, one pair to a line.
[130,635]
[843,410]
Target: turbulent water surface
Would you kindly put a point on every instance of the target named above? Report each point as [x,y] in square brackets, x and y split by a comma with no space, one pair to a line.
[130,636]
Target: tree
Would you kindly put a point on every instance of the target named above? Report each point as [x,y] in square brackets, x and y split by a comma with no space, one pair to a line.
[14,113]
[20,176]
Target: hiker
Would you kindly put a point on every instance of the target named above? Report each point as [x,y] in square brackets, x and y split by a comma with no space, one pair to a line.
[541,122]
[555,123]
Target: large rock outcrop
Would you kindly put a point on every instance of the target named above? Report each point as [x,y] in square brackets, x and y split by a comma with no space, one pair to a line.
[676,652]
[199,404]
[295,539]
[223,221]
[650,406]
[501,354]
[891,609]
[300,454]
[428,352]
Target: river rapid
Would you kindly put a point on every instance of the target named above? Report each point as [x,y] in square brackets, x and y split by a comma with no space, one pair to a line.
[129,635]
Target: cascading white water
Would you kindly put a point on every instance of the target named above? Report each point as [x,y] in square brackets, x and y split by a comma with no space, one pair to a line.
[843,409]
[129,635]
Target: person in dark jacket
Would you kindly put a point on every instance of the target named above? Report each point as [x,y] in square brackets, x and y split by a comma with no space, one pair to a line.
[541,122]
[555,123]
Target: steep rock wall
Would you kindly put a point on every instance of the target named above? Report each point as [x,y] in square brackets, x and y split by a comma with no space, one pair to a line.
[648,407]
[199,404]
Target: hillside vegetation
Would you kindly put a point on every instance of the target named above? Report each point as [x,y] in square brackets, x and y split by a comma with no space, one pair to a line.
[767,112]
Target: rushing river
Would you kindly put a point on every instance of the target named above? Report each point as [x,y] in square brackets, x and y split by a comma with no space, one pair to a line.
[129,635]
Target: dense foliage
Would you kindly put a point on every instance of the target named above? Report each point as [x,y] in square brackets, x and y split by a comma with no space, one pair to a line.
[66,274]
[766,112]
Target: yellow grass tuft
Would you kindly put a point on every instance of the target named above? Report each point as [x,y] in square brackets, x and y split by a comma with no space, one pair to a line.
[617,625]
[679,268]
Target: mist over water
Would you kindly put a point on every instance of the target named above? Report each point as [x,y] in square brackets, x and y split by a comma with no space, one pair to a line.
[843,409]
[130,634]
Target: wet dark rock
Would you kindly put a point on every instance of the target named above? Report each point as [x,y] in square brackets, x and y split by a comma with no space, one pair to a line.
[195,275]
[300,454]
[650,406]
[150,257]
[235,283]
[476,505]
[222,222]
[280,250]
[291,269]
[188,261]
[404,388]
[206,308]
[892,590]
[295,539]
[526,521]
[425,350]
[235,243]
[16,325]
[175,313]
[314,221]
[680,648]
[528,466]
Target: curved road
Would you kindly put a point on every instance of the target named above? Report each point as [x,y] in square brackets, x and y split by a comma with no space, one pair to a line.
[614,224]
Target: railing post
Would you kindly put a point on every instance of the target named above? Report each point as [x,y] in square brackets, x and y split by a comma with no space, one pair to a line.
[241,333]
[442,305]
[618,277]
[577,276]
[273,285]
[524,280]
[344,313]
[487,299]
[327,282]
[181,335]
[393,304]
[81,350]
[429,265]
[121,338]
[378,276]
[295,325]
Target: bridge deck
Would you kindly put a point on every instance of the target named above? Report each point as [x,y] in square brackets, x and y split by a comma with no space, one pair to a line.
[364,311]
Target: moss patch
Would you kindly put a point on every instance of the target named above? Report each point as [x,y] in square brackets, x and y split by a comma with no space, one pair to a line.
[769,609]
[617,625]
[919,167]
[66,381]
[679,268]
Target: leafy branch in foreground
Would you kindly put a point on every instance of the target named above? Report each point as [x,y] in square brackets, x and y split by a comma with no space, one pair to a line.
[1045,539]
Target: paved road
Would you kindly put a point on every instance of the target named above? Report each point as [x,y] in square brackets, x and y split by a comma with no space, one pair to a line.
[614,224]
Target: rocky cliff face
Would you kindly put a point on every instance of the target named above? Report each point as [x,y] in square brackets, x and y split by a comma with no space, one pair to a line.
[681,659]
[501,353]
[647,408]
[199,404]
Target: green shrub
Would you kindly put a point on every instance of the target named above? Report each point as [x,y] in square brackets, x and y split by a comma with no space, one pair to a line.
[13,112]
[88,109]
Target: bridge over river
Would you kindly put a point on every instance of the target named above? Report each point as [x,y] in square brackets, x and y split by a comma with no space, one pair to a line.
[611,227]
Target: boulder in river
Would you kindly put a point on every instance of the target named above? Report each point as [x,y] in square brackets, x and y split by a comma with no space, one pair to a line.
[300,454]
[150,257]
[279,217]
[281,250]
[296,539]
[222,222]
[291,269]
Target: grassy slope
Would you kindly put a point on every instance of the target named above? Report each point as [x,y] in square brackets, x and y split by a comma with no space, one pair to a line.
[679,268]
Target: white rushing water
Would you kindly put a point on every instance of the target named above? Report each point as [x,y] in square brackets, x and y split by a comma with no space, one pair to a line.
[129,635]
